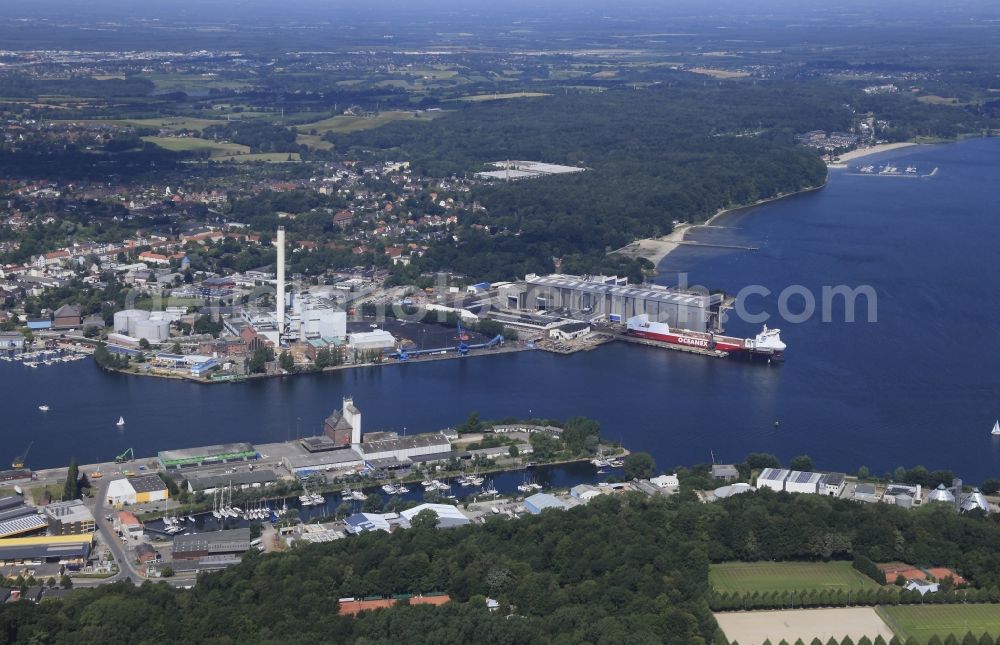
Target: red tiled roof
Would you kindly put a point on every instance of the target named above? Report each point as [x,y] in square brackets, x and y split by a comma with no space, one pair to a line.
[125,517]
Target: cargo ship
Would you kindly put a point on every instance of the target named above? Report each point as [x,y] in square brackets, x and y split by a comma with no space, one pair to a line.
[767,344]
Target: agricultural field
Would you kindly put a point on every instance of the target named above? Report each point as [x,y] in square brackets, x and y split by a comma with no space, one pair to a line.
[756,627]
[720,74]
[933,99]
[921,622]
[477,98]
[786,576]
[345,124]
[188,144]
[192,83]
[313,141]
[269,157]
[430,73]
[172,123]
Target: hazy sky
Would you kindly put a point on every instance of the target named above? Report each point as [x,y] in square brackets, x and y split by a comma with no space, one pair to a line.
[387,9]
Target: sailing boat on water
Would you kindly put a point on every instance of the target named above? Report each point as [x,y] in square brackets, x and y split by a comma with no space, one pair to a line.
[996,428]
[121,422]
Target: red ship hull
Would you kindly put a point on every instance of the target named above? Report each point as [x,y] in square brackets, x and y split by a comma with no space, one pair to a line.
[721,343]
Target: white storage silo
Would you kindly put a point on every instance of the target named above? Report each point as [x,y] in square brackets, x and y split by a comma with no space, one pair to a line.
[155,331]
[125,320]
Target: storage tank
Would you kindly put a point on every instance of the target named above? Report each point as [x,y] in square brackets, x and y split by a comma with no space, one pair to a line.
[155,331]
[125,320]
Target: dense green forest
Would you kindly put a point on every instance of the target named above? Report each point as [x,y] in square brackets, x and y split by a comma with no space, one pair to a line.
[622,569]
[698,149]
[260,136]
[675,151]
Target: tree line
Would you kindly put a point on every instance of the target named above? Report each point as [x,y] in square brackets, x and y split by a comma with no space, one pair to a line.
[622,568]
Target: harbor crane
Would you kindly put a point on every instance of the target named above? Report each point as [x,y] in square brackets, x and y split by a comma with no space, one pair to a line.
[19,461]
[122,457]
[463,348]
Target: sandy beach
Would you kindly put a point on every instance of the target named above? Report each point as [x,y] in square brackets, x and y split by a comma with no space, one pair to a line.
[874,150]
[655,249]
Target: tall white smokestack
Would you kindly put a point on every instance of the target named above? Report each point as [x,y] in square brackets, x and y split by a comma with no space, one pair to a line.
[280,296]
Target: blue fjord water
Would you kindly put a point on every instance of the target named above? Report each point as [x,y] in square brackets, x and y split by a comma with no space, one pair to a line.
[920,386]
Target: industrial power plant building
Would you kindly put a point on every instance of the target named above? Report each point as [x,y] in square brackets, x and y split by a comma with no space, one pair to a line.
[611,298]
[315,317]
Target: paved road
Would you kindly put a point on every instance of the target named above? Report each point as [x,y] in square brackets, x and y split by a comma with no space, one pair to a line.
[126,567]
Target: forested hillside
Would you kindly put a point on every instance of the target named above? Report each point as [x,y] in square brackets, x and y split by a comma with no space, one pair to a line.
[655,155]
[619,570]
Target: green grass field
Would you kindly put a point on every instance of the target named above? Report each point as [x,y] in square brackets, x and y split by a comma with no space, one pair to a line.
[924,621]
[192,82]
[479,98]
[172,123]
[269,157]
[185,144]
[346,124]
[313,141]
[786,576]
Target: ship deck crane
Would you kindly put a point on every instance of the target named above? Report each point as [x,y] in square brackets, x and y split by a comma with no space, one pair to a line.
[20,460]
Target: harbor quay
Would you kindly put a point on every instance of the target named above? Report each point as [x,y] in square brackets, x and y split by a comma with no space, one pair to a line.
[195,509]
[338,455]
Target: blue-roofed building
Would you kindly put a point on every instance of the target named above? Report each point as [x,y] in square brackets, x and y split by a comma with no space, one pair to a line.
[773,478]
[481,287]
[39,323]
[541,501]
[202,368]
[123,351]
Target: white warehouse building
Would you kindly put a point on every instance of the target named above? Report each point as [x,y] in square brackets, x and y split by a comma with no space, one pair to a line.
[448,516]
[773,478]
[377,339]
[388,445]
[803,482]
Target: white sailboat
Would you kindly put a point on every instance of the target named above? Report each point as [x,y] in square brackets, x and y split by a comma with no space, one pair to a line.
[996,428]
[121,422]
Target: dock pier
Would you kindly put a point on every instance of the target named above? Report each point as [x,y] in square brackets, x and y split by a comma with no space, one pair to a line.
[710,245]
